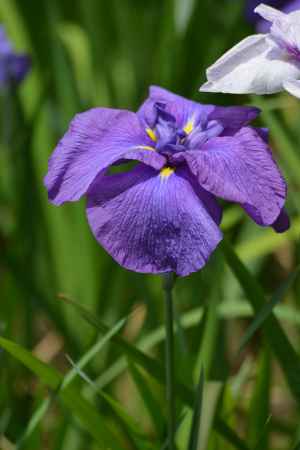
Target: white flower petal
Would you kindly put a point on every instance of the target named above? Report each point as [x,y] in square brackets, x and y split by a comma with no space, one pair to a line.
[292,87]
[268,13]
[254,66]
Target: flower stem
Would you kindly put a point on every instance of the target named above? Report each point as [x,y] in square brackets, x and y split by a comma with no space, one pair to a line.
[168,284]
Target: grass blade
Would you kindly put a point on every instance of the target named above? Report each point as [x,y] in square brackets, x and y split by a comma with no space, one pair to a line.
[155,369]
[128,424]
[266,310]
[69,377]
[279,343]
[259,417]
[150,402]
[89,418]
[196,422]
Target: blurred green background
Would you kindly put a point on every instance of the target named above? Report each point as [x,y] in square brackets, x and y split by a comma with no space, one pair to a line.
[89,53]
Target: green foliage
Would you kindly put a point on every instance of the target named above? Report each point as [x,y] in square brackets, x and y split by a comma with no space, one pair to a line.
[240,325]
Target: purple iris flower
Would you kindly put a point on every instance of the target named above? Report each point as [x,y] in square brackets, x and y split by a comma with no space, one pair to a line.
[163,215]
[263,26]
[13,67]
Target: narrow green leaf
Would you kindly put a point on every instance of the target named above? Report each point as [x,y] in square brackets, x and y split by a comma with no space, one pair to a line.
[91,353]
[149,364]
[230,435]
[258,417]
[279,343]
[128,424]
[155,369]
[150,402]
[267,309]
[261,442]
[68,378]
[35,419]
[89,418]
[196,422]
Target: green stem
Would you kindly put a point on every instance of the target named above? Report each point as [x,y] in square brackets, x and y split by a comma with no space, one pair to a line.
[168,284]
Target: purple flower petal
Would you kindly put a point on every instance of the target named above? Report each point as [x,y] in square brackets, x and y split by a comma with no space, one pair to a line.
[13,66]
[189,113]
[19,66]
[154,222]
[5,45]
[241,169]
[282,223]
[96,139]
[234,117]
[186,112]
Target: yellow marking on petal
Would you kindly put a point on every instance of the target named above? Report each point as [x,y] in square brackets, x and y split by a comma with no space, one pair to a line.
[151,134]
[166,172]
[147,147]
[188,128]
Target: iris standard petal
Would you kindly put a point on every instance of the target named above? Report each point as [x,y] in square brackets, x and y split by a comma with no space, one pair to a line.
[255,66]
[151,221]
[234,117]
[292,87]
[241,169]
[188,113]
[96,139]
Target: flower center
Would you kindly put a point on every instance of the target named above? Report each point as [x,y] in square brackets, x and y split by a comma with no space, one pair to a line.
[170,138]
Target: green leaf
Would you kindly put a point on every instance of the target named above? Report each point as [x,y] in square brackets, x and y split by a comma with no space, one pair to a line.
[68,378]
[196,422]
[150,402]
[230,435]
[149,364]
[278,341]
[155,369]
[267,309]
[36,418]
[89,418]
[258,417]
[128,424]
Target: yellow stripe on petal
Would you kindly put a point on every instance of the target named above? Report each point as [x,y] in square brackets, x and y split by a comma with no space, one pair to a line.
[188,128]
[147,147]
[151,134]
[166,172]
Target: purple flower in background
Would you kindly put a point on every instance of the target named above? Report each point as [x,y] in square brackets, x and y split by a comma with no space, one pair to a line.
[263,26]
[262,63]
[13,67]
[163,215]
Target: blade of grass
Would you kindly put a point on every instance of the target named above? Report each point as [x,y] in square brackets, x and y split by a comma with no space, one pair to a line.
[68,378]
[266,310]
[155,369]
[278,341]
[89,418]
[259,417]
[261,442]
[196,422]
[128,424]
[150,402]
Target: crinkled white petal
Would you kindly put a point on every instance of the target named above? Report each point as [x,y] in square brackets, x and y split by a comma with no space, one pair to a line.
[292,87]
[254,66]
